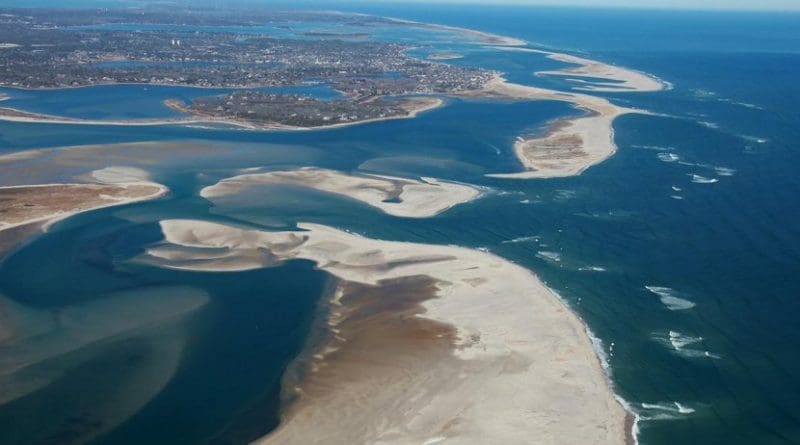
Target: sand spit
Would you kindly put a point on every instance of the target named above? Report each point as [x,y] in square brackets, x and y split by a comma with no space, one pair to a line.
[26,204]
[434,342]
[587,71]
[27,208]
[572,144]
[408,198]
[493,39]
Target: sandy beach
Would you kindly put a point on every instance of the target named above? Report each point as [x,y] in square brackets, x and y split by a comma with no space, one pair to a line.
[410,198]
[426,343]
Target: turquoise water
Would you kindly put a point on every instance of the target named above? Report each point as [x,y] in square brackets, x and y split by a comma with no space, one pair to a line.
[731,248]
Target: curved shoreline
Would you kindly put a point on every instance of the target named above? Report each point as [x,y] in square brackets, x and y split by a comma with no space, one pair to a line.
[477,350]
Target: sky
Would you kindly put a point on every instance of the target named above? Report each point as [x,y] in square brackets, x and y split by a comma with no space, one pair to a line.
[771,5]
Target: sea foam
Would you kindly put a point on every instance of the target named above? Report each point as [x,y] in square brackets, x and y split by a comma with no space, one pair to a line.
[697,179]
[679,344]
[668,157]
[554,257]
[522,239]
[669,297]
[665,411]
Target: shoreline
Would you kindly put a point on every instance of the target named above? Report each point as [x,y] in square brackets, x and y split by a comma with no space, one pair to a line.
[443,321]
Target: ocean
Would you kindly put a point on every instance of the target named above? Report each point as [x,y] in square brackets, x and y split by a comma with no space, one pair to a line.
[680,252]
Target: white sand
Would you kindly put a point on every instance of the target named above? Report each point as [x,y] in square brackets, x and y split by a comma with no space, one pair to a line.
[525,370]
[418,198]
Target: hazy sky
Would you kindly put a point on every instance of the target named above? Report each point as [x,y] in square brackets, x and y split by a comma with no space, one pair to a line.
[667,4]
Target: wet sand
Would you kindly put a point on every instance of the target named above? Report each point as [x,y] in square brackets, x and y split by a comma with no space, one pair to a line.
[430,343]
[403,197]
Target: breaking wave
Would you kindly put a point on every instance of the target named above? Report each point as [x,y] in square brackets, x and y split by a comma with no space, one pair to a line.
[553,257]
[668,157]
[665,411]
[522,239]
[679,344]
[669,297]
[697,179]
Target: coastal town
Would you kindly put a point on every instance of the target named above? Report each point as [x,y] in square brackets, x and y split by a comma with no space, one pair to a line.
[46,48]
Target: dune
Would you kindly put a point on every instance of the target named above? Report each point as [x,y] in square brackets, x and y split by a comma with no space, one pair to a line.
[410,198]
[425,343]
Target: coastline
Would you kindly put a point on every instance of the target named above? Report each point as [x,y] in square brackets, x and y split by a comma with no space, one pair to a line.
[466,348]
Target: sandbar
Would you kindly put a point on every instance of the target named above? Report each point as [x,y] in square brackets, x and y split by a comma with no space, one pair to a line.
[426,343]
[410,198]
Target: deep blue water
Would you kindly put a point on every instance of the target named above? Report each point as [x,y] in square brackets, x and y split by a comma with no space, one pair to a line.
[732,248]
